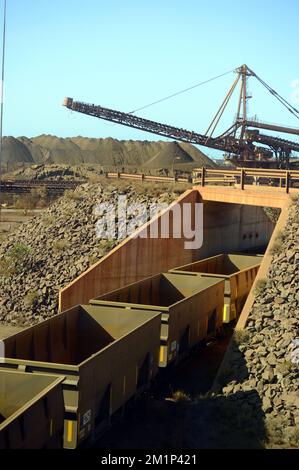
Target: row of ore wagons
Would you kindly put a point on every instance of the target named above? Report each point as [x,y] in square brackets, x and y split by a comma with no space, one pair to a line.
[63,379]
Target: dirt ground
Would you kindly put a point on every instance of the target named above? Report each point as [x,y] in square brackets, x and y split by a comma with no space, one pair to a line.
[10,219]
[6,331]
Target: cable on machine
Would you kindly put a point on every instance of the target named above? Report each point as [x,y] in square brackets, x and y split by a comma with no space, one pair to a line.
[180,92]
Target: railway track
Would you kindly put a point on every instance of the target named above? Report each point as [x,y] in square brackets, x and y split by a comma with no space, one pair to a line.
[25,186]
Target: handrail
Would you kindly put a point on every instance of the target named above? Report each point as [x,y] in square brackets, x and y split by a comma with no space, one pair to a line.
[144,177]
[203,176]
[285,177]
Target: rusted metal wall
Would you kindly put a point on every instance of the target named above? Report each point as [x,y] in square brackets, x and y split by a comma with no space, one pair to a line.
[226,227]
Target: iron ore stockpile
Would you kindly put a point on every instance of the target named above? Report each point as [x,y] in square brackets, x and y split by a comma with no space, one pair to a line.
[51,250]
[260,401]
[48,149]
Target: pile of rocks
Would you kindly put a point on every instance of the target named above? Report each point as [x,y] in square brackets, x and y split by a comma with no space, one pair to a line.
[263,368]
[50,250]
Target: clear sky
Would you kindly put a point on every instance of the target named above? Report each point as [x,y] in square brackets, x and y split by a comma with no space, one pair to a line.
[124,54]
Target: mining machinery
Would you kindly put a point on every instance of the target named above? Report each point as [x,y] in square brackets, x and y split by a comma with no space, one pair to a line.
[244,143]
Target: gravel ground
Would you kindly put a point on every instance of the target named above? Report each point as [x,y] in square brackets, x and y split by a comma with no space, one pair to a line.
[262,373]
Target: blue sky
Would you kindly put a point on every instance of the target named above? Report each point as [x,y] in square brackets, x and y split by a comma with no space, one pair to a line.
[125,54]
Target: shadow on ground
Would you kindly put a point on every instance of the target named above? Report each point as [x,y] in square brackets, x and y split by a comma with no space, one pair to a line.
[233,422]
[197,420]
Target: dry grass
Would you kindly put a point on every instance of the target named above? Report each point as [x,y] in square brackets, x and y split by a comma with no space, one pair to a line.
[17,260]
[59,245]
[276,248]
[48,219]
[260,286]
[276,435]
[295,198]
[278,244]
[107,245]
[180,396]
[294,439]
[284,367]
[241,336]
[73,195]
[31,298]
[93,260]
